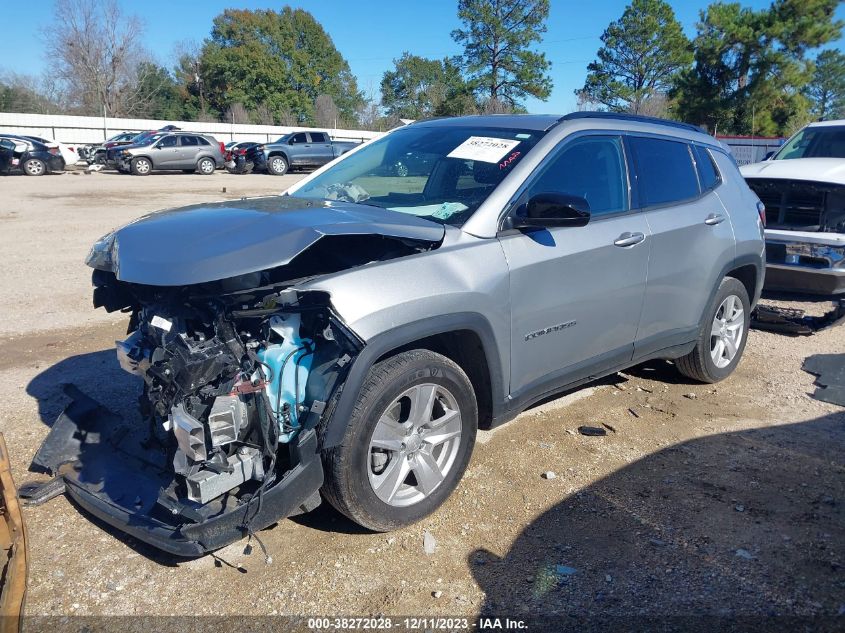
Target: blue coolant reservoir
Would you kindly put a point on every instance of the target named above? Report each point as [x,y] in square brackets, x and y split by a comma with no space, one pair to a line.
[290,362]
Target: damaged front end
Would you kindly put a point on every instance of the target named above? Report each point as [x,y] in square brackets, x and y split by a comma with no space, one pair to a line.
[238,363]
[234,387]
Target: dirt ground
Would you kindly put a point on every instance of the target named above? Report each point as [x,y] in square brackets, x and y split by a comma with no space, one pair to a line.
[704,500]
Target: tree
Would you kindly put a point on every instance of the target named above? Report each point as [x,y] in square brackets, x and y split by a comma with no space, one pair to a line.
[158,94]
[826,90]
[96,53]
[497,38]
[325,111]
[283,59]
[25,93]
[418,87]
[641,56]
[751,68]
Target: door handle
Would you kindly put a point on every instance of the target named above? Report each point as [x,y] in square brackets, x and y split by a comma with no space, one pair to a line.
[629,239]
[714,218]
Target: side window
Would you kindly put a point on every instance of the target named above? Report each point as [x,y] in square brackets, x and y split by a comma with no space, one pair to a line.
[708,175]
[300,138]
[202,141]
[188,141]
[665,171]
[167,141]
[593,168]
[319,137]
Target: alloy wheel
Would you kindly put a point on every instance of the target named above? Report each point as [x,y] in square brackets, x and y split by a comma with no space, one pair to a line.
[727,331]
[414,445]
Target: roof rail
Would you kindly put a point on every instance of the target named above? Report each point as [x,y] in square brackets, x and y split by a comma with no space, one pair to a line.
[622,116]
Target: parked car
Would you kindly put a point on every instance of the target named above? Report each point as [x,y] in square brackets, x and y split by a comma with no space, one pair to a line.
[173,150]
[68,152]
[803,188]
[235,158]
[302,150]
[345,340]
[31,157]
[96,154]
[144,138]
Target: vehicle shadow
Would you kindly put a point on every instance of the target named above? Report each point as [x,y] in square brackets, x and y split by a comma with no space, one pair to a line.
[97,374]
[724,529]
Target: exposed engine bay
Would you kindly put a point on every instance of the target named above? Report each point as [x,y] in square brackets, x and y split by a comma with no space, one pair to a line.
[228,378]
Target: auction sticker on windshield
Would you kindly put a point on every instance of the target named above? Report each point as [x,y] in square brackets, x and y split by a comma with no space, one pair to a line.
[484,148]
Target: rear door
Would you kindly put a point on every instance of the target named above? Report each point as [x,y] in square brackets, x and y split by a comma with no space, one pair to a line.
[692,238]
[577,292]
[321,147]
[189,147]
[7,152]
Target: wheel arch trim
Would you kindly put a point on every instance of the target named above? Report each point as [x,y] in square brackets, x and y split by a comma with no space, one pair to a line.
[399,337]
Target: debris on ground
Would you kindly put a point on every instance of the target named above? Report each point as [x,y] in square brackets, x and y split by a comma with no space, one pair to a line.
[608,427]
[690,396]
[829,370]
[564,570]
[429,543]
[549,474]
[634,413]
[592,430]
[744,553]
[793,321]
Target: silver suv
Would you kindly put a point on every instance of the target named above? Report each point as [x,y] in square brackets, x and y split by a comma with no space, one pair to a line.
[173,150]
[344,341]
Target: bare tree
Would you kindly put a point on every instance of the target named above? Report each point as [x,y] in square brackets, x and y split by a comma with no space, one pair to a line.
[262,115]
[237,113]
[97,55]
[325,111]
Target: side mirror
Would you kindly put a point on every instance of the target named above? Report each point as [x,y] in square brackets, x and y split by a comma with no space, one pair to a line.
[768,155]
[291,142]
[547,210]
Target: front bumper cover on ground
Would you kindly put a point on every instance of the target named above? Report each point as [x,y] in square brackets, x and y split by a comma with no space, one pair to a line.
[108,474]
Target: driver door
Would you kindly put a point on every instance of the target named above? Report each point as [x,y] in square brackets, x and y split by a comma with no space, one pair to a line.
[166,151]
[576,292]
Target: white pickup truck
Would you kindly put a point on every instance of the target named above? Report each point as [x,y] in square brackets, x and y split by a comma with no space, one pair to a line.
[803,188]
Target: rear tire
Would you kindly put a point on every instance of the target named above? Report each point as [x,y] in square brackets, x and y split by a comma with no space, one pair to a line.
[34,167]
[277,165]
[141,166]
[407,444]
[722,337]
[206,166]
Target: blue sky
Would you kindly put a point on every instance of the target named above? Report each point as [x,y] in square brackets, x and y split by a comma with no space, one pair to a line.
[371,33]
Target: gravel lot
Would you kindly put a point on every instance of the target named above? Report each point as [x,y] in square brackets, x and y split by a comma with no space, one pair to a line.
[724,500]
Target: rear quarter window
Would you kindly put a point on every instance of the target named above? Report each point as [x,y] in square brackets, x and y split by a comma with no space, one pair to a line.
[708,174]
[665,171]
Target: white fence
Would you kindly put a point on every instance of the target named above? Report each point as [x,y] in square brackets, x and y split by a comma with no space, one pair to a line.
[748,149]
[88,129]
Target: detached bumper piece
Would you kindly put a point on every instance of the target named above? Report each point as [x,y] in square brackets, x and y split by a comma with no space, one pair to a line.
[108,472]
[12,550]
[792,321]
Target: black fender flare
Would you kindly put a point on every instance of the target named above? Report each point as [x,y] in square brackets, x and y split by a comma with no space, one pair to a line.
[386,342]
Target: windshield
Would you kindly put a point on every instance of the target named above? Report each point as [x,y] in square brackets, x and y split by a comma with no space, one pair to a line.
[438,173]
[815,142]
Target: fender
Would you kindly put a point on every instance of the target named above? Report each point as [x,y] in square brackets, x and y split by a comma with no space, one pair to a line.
[393,339]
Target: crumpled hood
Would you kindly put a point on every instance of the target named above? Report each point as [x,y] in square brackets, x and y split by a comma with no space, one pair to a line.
[208,242]
[830,170]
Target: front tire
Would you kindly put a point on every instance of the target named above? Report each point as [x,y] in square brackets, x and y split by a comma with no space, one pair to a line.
[723,334]
[407,444]
[277,165]
[141,166]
